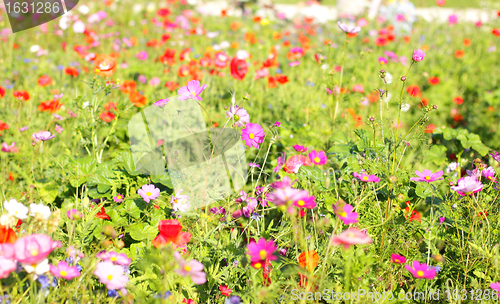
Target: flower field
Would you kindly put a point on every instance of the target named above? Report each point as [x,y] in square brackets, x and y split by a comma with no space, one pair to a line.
[153,153]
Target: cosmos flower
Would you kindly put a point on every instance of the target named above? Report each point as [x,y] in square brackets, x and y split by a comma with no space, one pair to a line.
[421,271]
[193,269]
[318,157]
[42,136]
[427,176]
[418,55]
[467,186]
[348,29]
[300,148]
[63,270]
[253,135]
[398,259]
[366,178]
[345,213]
[149,192]
[33,248]
[261,250]
[180,202]
[239,115]
[191,91]
[111,275]
[351,236]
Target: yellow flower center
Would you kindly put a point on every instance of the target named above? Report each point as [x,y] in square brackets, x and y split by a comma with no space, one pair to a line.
[427,177]
[365,177]
[34,252]
[251,136]
[192,93]
[257,265]
[119,197]
[317,160]
[148,193]
[110,277]
[263,254]
[420,273]
[187,268]
[396,260]
[176,201]
[343,214]
[104,65]
[113,259]
[63,273]
[301,203]
[97,70]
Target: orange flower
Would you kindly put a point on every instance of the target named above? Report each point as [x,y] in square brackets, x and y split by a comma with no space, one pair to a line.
[50,105]
[44,80]
[467,42]
[183,71]
[272,82]
[128,86]
[170,232]
[172,86]
[459,54]
[414,216]
[430,129]
[413,90]
[433,80]
[235,25]
[72,71]
[407,39]
[105,65]
[21,95]
[137,99]
[373,97]
[458,100]
[496,32]
[309,260]
[277,36]
[352,35]
[7,235]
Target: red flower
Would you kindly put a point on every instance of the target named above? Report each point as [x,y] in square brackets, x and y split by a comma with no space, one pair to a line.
[102,214]
[44,80]
[128,86]
[2,92]
[433,80]
[282,79]
[183,71]
[7,235]
[171,85]
[266,271]
[185,54]
[168,57]
[271,82]
[459,54]
[3,126]
[415,215]
[72,71]
[239,68]
[50,105]
[430,129]
[224,290]
[163,12]
[21,95]
[413,90]
[458,100]
[170,232]
[137,99]
[496,32]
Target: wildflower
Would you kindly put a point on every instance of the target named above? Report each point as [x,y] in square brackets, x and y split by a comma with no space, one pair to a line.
[191,91]
[137,99]
[193,269]
[303,200]
[33,248]
[44,80]
[180,202]
[345,213]
[239,68]
[293,163]
[280,162]
[233,300]
[433,80]
[14,208]
[418,55]
[427,176]
[452,19]
[149,192]
[286,195]
[21,95]
[170,232]
[421,271]
[308,260]
[111,275]
[74,214]
[105,65]
[496,287]
[441,220]
[142,55]
[351,236]
[459,54]
[42,136]
[224,290]
[366,178]
[496,156]
[382,60]
[253,165]
[415,215]
[239,115]
[7,265]
[467,186]
[318,158]
[116,258]
[59,129]
[63,270]
[118,198]
[300,148]
[253,135]
[102,214]
[7,235]
[162,102]
[489,173]
[40,211]
[398,259]
[348,29]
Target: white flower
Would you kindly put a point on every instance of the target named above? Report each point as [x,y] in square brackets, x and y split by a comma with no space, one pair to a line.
[40,210]
[84,9]
[137,8]
[34,48]
[452,167]
[388,77]
[79,27]
[85,104]
[180,202]
[64,22]
[16,209]
[151,7]
[225,44]
[192,2]
[405,107]
[387,97]
[38,269]
[242,54]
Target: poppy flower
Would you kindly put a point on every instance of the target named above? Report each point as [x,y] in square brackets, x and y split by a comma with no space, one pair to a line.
[271,82]
[183,71]
[128,86]
[434,80]
[224,290]
[496,32]
[102,214]
[105,65]
[72,71]
[184,54]
[44,80]
[293,164]
[282,79]
[51,106]
[137,99]
[458,100]
[413,90]
[171,85]
[309,260]
[414,216]
[239,68]
[3,126]
[430,129]
[7,235]
[459,54]
[170,232]
[467,42]
[21,95]
[2,92]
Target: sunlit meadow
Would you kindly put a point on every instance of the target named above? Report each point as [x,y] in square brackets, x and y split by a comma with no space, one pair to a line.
[371,158]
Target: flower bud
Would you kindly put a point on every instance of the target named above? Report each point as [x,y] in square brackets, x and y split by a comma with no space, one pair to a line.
[403,78]
[246,96]
[108,230]
[371,118]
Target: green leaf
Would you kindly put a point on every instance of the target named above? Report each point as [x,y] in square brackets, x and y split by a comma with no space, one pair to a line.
[130,208]
[422,190]
[310,173]
[125,160]
[116,218]
[141,231]
[436,154]
[48,191]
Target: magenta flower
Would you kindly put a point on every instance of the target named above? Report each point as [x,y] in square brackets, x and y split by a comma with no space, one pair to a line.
[348,29]
[418,55]
[74,214]
[318,158]
[452,19]
[149,192]
[467,186]
[191,91]
[33,248]
[398,259]
[345,214]
[253,165]
[489,174]
[494,286]
[63,270]
[118,198]
[240,115]
[261,250]
[294,63]
[113,276]
[441,220]
[382,60]
[116,258]
[303,200]
[366,178]
[496,156]
[421,271]
[280,163]
[427,176]
[351,236]
[162,102]
[6,267]
[253,135]
[9,149]
[59,129]
[142,55]
[300,148]
[193,269]
[287,195]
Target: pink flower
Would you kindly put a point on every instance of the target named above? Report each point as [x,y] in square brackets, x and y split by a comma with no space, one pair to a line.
[351,236]
[264,72]
[162,102]
[42,136]
[287,195]
[467,186]
[345,214]
[303,200]
[300,148]
[489,173]
[362,22]
[154,81]
[7,250]
[9,149]
[118,198]
[111,275]
[453,19]
[240,116]
[6,267]
[74,214]
[59,129]
[142,55]
[318,158]
[382,60]
[294,63]
[280,162]
[253,135]
[261,250]
[33,248]
[398,259]
[418,55]
[63,270]
[421,271]
[496,287]
[115,258]
[191,91]
[348,29]
[358,88]
[149,192]
[193,269]
[496,156]
[427,176]
[366,178]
